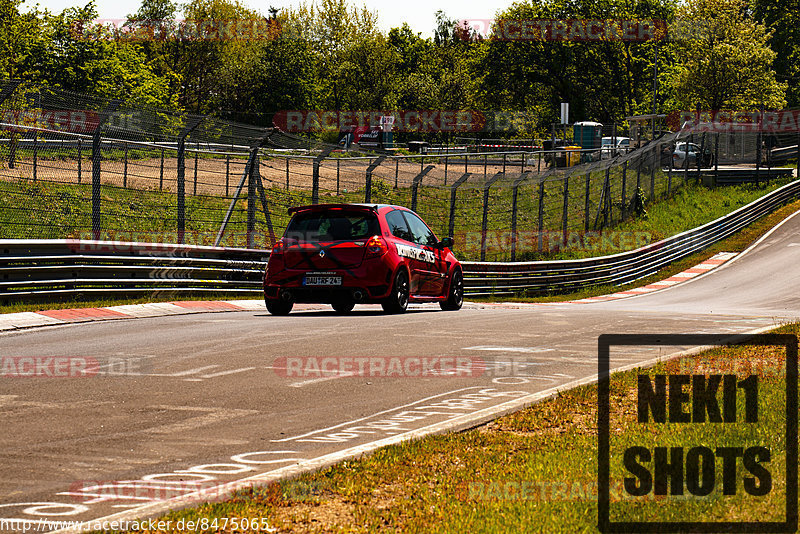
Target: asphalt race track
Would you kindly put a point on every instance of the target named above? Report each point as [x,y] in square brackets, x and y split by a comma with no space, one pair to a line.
[205,399]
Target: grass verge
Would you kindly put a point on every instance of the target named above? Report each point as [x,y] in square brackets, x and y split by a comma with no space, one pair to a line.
[534,470]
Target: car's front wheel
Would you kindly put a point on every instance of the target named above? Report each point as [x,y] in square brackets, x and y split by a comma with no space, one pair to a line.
[278,307]
[397,301]
[456,296]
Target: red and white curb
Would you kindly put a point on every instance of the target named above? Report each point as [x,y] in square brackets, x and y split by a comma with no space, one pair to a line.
[17,321]
[701,268]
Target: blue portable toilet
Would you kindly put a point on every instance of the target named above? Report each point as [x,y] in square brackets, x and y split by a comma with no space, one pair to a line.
[588,135]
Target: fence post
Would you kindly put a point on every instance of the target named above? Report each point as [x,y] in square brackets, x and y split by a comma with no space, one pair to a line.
[182,176]
[12,151]
[686,158]
[35,154]
[396,171]
[161,174]
[607,213]
[80,160]
[716,158]
[485,220]
[759,140]
[700,156]
[96,159]
[125,168]
[485,164]
[260,187]
[368,185]
[624,213]
[248,170]
[415,185]
[669,175]
[451,224]
[514,195]
[287,173]
[653,175]
[638,173]
[338,167]
[445,170]
[8,88]
[466,162]
[797,170]
[504,162]
[565,211]
[315,174]
[586,202]
[227,174]
[540,237]
[196,155]
[251,198]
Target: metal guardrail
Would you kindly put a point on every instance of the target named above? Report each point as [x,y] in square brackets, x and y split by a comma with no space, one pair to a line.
[505,278]
[48,269]
[55,268]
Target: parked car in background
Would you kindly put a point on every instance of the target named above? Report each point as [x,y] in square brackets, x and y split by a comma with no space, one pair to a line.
[608,148]
[690,152]
[343,254]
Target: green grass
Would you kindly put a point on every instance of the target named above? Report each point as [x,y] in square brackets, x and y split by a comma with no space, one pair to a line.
[533,470]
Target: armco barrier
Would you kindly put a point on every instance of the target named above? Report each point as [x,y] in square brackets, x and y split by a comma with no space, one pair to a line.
[49,269]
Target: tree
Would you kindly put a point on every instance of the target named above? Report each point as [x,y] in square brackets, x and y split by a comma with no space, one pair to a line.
[783,18]
[725,61]
[21,40]
[605,80]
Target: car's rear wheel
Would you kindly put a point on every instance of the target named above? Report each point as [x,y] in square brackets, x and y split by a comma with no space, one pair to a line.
[343,306]
[456,296]
[397,301]
[278,307]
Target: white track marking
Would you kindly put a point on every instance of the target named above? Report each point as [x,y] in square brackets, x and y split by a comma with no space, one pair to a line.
[320,379]
[526,350]
[232,371]
[346,423]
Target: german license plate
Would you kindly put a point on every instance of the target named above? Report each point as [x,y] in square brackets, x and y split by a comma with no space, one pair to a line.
[322,280]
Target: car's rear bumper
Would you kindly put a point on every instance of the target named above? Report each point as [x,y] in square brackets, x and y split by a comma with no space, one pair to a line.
[370,282]
[327,295]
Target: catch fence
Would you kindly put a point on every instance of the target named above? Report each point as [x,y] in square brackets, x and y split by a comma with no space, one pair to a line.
[78,167]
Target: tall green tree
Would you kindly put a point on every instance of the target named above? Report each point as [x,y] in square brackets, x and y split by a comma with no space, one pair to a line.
[783,18]
[724,60]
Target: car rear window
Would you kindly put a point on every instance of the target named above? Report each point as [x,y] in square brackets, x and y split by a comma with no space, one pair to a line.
[332,226]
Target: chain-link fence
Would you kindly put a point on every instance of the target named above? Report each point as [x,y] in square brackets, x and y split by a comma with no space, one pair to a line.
[82,167]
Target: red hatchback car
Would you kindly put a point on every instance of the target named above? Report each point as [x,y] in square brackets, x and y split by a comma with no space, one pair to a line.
[343,254]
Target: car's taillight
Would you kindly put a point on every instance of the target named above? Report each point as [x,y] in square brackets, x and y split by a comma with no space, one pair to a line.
[376,246]
[278,248]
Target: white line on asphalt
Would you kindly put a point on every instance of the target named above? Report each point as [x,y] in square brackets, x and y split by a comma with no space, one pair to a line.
[508,349]
[320,379]
[426,399]
[232,371]
[190,371]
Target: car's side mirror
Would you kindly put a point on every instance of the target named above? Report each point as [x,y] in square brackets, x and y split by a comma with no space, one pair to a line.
[447,242]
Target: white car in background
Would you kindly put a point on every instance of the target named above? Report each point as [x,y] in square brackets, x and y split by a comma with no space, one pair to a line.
[609,150]
[690,151]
